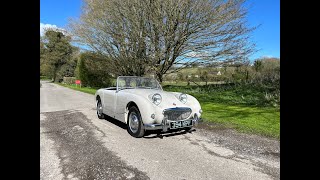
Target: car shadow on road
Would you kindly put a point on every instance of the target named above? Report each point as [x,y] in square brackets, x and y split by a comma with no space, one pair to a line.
[158,134]
[115,122]
[151,134]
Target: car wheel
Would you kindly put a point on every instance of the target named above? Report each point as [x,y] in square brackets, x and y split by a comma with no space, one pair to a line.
[135,126]
[99,109]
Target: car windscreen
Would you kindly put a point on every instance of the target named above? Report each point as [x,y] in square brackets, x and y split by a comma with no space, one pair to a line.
[127,82]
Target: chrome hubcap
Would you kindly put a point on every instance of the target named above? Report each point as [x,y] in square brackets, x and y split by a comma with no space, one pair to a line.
[133,122]
[99,108]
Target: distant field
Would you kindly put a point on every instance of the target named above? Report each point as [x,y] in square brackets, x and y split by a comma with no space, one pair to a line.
[239,109]
[183,83]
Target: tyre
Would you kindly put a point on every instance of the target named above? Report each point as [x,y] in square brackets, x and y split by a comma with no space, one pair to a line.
[99,109]
[134,125]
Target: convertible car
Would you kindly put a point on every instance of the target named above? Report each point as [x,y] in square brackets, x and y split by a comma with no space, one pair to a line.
[141,103]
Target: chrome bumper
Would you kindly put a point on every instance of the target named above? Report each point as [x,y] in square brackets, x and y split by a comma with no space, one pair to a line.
[165,125]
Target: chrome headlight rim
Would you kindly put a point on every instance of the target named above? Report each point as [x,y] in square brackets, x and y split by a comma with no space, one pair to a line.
[156,99]
[183,98]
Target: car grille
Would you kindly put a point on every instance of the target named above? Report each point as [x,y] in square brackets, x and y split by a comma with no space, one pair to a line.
[177,114]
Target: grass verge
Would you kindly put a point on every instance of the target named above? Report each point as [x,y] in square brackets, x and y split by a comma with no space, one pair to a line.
[82,89]
[242,108]
[253,120]
[45,78]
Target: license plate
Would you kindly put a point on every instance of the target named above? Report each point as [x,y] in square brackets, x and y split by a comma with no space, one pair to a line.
[180,124]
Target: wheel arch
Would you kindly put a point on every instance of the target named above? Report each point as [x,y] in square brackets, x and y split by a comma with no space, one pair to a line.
[130,104]
[144,107]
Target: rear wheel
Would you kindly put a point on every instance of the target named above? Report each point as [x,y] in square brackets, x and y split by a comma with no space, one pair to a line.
[99,109]
[135,126]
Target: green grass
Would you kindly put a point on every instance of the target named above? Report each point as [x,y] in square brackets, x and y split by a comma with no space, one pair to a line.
[254,120]
[44,78]
[82,89]
[242,108]
[228,94]
[236,108]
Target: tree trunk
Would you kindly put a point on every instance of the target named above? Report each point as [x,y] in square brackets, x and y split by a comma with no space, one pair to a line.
[54,74]
[159,77]
[247,76]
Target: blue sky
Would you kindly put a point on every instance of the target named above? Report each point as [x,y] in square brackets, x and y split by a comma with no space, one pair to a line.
[265,13]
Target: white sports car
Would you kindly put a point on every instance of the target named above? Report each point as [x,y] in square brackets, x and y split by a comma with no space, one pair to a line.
[141,103]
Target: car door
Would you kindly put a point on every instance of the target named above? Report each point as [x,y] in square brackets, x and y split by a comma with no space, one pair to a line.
[109,101]
[120,105]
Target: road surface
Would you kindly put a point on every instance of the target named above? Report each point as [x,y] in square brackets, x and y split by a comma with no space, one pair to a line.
[75,144]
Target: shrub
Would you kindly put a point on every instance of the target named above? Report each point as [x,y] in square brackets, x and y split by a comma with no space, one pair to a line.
[69,80]
[92,71]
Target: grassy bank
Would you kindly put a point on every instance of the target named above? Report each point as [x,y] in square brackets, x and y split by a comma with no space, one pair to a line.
[239,108]
[45,78]
[243,108]
[82,89]
[255,120]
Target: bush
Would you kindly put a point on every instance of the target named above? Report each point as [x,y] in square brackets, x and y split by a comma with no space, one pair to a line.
[92,71]
[69,80]
[44,78]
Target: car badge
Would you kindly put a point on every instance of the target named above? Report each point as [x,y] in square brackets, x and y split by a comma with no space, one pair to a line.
[174,104]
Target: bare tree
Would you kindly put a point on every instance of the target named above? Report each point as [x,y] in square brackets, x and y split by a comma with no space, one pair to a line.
[115,30]
[139,36]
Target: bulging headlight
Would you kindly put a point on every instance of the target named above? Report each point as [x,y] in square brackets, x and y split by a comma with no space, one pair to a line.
[156,99]
[183,98]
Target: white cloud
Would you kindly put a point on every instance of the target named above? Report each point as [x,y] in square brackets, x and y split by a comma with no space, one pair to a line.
[267,56]
[194,54]
[43,27]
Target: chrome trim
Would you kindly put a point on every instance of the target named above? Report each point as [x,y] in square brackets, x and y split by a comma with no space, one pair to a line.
[180,98]
[178,109]
[165,125]
[153,99]
[152,126]
[195,122]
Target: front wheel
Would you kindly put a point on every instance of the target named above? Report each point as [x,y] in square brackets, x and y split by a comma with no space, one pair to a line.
[135,126]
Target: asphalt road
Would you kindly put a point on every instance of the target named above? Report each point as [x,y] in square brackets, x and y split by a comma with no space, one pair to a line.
[75,144]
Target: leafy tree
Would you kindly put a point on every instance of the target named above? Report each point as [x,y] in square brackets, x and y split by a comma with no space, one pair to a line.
[91,70]
[55,52]
[257,65]
[139,36]
[204,75]
[181,77]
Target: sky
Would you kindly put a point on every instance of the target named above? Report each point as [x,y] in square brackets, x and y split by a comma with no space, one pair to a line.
[265,13]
